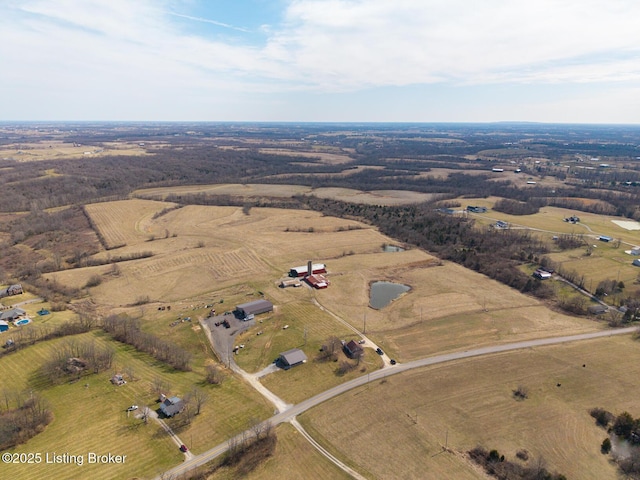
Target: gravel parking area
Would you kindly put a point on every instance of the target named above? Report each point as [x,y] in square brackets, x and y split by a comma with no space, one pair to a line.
[222,337]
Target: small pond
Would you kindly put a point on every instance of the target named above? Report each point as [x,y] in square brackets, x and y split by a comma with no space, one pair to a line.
[392,248]
[383,293]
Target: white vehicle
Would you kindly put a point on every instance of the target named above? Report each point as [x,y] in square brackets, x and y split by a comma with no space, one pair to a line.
[132,408]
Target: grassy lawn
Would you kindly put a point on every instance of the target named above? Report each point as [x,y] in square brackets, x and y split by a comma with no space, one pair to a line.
[294,458]
[90,415]
[469,403]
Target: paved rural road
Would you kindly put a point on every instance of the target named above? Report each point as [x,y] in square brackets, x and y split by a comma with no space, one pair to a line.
[305,405]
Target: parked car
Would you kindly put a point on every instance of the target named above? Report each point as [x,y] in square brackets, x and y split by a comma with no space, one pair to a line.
[132,408]
[379,351]
[184,448]
[392,361]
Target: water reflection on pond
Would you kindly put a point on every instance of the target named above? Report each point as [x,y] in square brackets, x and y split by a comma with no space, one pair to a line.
[392,248]
[383,293]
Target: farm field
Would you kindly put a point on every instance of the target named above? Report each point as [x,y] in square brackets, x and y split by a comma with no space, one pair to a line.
[374,197]
[294,458]
[90,415]
[57,149]
[122,223]
[324,157]
[217,256]
[465,404]
[448,306]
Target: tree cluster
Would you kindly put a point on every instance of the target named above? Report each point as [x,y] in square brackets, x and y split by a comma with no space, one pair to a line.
[72,359]
[497,466]
[127,330]
[33,333]
[24,416]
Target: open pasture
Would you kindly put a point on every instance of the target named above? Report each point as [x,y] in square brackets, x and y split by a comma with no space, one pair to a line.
[324,157]
[119,222]
[90,415]
[59,149]
[374,197]
[448,306]
[467,403]
[294,458]
[214,247]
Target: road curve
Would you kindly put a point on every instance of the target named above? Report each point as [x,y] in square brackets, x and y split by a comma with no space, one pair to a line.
[305,405]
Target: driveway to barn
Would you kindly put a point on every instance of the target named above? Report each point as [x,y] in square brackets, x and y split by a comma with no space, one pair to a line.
[290,413]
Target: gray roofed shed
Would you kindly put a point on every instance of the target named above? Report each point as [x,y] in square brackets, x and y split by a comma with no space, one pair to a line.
[254,308]
[292,357]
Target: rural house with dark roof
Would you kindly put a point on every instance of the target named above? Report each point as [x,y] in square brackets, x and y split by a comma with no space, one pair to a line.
[172,406]
[353,350]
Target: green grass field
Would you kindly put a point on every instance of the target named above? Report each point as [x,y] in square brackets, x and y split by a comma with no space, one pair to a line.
[90,415]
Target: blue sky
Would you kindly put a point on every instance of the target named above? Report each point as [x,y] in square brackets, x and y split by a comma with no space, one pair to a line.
[321,60]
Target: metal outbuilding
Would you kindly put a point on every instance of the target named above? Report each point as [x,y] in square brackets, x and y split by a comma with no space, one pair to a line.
[254,308]
[291,358]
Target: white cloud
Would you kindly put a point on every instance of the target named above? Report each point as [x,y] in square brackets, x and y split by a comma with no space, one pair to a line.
[350,43]
[135,54]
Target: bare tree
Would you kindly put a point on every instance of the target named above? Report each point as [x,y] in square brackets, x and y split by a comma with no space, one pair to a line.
[146,411]
[256,426]
[160,386]
[130,372]
[215,375]
[199,398]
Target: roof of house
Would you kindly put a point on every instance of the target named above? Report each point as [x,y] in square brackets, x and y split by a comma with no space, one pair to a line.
[171,406]
[11,314]
[293,356]
[353,347]
[597,309]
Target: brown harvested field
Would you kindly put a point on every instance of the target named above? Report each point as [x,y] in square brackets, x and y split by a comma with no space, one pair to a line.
[324,157]
[58,149]
[213,248]
[124,222]
[247,190]
[374,197]
[294,458]
[469,403]
[221,252]
[448,307]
